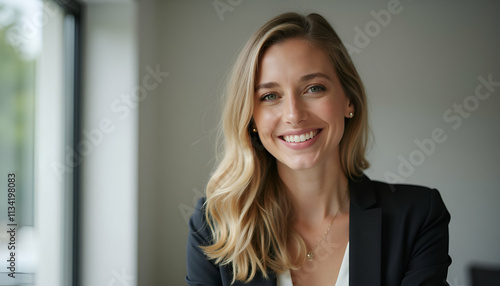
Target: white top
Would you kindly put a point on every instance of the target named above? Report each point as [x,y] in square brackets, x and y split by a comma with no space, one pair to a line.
[285,279]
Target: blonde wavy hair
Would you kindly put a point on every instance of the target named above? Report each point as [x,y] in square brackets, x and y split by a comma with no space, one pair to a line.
[247,208]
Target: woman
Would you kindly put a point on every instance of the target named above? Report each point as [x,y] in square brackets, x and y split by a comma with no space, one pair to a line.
[288,204]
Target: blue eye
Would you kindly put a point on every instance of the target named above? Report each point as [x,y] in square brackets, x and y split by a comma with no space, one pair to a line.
[268,97]
[316,88]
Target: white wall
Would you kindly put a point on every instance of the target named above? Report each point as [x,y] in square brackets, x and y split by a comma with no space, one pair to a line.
[49,148]
[109,170]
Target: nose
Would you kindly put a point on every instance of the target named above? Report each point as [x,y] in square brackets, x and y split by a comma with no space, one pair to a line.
[294,110]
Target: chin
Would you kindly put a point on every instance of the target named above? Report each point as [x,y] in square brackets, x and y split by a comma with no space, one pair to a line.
[298,165]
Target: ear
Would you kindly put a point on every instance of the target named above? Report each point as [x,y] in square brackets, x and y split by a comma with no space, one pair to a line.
[349,109]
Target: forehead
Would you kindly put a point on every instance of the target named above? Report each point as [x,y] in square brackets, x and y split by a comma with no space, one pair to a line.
[293,58]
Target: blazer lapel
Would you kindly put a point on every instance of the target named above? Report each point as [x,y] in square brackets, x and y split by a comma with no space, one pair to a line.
[364,234]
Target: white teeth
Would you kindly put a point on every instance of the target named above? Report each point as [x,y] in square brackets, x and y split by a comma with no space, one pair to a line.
[300,138]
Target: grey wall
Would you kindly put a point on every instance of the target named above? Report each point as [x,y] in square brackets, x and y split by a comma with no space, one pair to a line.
[417,68]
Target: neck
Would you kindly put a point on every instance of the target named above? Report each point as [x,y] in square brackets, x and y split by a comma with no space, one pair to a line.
[316,193]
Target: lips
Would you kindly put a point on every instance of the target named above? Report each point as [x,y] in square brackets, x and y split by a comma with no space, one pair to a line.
[299,138]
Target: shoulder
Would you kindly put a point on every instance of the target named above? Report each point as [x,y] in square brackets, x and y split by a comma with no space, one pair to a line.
[408,198]
[200,269]
[198,225]
[412,194]
[400,201]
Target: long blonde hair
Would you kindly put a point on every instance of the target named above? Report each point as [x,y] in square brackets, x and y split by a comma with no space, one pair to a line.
[247,208]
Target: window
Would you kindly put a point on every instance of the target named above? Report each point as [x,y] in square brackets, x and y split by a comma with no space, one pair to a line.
[39,79]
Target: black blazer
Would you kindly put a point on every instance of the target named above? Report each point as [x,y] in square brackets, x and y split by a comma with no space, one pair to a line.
[398,235]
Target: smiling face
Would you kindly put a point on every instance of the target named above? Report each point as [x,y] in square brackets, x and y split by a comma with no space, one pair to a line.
[299,105]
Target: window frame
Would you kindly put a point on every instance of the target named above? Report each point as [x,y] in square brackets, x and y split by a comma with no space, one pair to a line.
[72,39]
[73,69]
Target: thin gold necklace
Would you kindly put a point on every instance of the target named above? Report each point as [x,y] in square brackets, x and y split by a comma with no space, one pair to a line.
[310,254]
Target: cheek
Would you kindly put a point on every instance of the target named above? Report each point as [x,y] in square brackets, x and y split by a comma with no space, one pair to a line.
[333,114]
[265,120]
[332,110]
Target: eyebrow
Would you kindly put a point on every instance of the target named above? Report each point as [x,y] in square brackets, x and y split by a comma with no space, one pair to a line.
[303,78]
[314,75]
